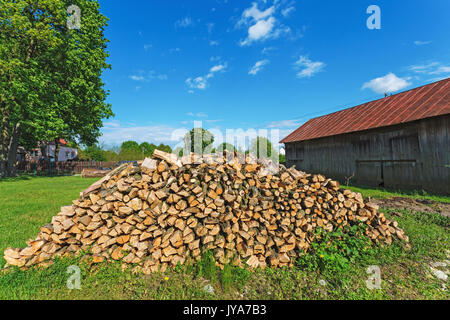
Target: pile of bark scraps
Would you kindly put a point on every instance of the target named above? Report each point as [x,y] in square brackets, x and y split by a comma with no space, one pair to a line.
[168,210]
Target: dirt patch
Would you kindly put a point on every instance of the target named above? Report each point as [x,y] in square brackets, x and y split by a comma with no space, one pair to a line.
[416,205]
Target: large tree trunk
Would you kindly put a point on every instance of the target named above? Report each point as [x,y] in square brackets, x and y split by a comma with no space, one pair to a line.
[56,150]
[43,147]
[12,152]
[4,138]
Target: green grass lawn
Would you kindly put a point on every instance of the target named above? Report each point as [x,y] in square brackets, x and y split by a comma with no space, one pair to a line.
[26,203]
[385,193]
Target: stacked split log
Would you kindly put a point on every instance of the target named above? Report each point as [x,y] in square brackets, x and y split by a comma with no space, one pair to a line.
[168,210]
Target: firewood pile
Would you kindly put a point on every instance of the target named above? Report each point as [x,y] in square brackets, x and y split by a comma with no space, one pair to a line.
[94,173]
[168,210]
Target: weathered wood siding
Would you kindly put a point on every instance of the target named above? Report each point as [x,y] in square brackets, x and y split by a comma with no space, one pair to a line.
[414,155]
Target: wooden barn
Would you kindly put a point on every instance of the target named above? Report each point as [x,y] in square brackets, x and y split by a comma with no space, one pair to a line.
[401,142]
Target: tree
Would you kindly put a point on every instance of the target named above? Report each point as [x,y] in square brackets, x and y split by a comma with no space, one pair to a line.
[148,148]
[178,151]
[226,146]
[164,147]
[261,147]
[130,146]
[94,152]
[198,140]
[50,75]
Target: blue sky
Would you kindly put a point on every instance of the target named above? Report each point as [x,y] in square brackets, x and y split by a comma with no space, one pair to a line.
[261,64]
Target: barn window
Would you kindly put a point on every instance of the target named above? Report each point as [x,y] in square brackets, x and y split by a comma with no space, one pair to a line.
[405,147]
[289,150]
[299,152]
[362,148]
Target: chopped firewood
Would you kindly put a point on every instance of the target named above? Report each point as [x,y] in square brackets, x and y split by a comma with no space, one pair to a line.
[167,211]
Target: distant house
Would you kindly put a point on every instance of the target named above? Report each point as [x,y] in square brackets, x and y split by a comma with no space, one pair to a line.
[22,154]
[64,154]
[401,141]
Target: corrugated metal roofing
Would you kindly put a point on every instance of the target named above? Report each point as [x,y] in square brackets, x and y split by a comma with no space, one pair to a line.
[419,103]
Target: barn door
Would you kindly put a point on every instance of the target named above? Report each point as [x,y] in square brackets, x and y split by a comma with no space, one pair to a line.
[369,173]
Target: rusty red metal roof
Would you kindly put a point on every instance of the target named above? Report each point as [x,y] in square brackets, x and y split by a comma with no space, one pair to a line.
[423,102]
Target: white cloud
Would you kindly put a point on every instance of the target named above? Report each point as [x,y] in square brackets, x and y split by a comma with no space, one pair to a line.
[266,50]
[217,68]
[111,124]
[423,68]
[202,82]
[262,25]
[436,79]
[184,23]
[137,78]
[198,114]
[147,46]
[261,29]
[214,43]
[197,83]
[284,124]
[308,67]
[421,43]
[387,84]
[441,69]
[213,120]
[210,27]
[256,14]
[117,133]
[432,68]
[259,65]
[287,11]
[147,76]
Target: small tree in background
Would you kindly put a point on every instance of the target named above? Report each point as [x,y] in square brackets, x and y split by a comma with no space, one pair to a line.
[261,147]
[130,145]
[164,147]
[178,151]
[147,148]
[226,146]
[94,152]
[199,140]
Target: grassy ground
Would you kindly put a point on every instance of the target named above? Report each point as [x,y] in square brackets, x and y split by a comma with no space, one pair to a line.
[27,203]
[385,193]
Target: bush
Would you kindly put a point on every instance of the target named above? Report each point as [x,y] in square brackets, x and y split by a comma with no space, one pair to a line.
[336,251]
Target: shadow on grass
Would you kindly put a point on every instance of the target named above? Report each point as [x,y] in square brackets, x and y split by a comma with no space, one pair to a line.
[27,177]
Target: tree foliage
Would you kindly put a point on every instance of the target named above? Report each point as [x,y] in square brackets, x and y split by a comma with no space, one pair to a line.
[199,140]
[129,150]
[130,145]
[147,148]
[94,152]
[261,147]
[50,76]
[226,146]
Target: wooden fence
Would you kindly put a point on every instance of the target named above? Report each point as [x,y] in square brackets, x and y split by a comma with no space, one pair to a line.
[61,168]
